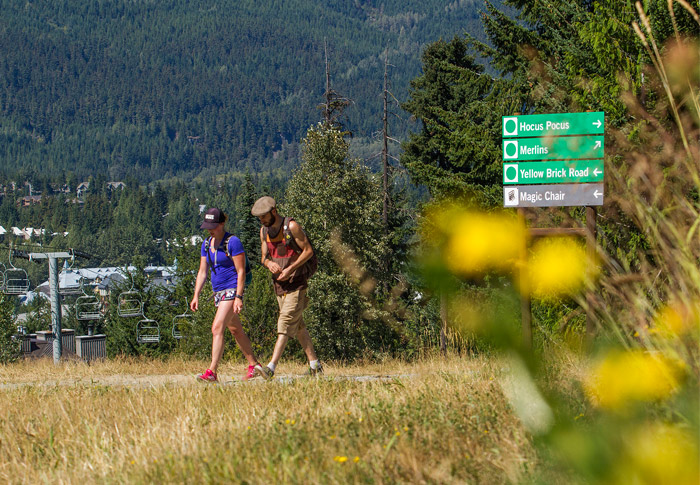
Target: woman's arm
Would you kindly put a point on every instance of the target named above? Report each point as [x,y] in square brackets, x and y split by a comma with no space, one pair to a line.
[201,279]
[239,263]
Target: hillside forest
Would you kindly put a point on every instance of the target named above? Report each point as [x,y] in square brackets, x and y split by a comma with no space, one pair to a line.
[163,90]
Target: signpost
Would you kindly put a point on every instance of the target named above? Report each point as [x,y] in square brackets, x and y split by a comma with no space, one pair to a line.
[559,148]
[554,160]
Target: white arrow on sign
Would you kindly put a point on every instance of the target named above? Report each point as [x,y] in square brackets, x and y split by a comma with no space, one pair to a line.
[597,194]
[597,123]
[597,144]
[596,171]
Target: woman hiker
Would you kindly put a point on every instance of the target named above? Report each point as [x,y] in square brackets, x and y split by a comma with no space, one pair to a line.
[223,254]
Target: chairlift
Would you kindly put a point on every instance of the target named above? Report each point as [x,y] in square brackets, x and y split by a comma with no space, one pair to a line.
[130,304]
[71,289]
[16,279]
[179,321]
[88,307]
[147,331]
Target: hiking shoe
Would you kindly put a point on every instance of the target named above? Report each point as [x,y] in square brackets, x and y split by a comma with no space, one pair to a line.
[318,371]
[207,376]
[264,371]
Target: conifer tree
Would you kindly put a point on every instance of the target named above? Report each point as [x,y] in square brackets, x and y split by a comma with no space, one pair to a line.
[248,225]
[337,201]
[456,149]
[9,348]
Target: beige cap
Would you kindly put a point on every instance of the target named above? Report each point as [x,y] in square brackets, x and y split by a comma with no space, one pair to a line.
[263,205]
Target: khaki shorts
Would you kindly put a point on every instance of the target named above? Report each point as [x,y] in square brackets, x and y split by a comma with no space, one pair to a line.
[292,306]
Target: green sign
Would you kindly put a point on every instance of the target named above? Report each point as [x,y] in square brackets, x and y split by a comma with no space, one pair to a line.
[557,172]
[553,148]
[557,124]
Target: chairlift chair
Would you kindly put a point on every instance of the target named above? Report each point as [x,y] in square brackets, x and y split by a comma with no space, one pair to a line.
[147,331]
[179,321]
[72,289]
[88,307]
[69,290]
[16,280]
[130,304]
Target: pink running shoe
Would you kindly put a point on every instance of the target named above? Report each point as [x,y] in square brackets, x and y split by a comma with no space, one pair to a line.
[251,373]
[208,376]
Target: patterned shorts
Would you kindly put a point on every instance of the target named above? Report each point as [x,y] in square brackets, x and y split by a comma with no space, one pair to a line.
[224,295]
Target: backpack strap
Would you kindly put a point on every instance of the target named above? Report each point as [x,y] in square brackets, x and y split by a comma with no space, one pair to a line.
[289,237]
[207,247]
[225,243]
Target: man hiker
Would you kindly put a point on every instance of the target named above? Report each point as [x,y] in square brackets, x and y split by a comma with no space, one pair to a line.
[288,254]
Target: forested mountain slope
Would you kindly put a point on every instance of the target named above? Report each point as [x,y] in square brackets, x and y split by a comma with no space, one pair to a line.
[173,88]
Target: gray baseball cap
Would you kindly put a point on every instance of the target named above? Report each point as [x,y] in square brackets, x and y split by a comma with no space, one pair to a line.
[263,205]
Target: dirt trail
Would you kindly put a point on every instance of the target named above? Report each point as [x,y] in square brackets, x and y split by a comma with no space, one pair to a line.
[180,380]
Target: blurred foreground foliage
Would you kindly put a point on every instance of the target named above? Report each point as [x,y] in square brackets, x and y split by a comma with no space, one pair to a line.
[632,414]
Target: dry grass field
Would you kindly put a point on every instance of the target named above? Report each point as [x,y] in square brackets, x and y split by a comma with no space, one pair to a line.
[434,421]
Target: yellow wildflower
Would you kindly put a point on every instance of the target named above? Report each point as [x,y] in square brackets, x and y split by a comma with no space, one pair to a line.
[356,459]
[480,242]
[660,454]
[557,266]
[340,459]
[624,377]
[675,320]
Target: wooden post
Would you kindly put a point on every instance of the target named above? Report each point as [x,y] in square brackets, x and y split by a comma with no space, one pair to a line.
[591,254]
[443,326]
[525,301]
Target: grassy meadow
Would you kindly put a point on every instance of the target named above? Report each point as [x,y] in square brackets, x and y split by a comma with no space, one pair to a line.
[440,420]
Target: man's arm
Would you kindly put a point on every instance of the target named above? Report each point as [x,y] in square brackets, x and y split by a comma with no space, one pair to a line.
[268,263]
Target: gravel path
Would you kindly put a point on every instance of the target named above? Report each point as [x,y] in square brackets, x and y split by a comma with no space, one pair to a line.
[180,380]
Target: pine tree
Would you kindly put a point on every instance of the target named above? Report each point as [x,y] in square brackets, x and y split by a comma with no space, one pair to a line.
[456,151]
[9,347]
[248,224]
[338,203]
